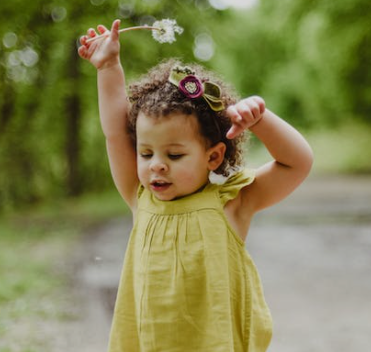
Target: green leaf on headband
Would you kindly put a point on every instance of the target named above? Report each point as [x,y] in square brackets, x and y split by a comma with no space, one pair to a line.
[212,95]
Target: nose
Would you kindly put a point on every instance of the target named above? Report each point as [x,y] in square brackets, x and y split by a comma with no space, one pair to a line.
[158,166]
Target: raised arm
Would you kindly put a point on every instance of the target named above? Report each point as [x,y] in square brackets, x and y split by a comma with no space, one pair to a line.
[292,155]
[104,54]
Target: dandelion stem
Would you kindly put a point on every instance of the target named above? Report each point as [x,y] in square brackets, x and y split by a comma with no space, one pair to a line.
[106,34]
[138,27]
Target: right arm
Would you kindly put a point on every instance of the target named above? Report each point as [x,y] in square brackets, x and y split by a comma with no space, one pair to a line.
[113,109]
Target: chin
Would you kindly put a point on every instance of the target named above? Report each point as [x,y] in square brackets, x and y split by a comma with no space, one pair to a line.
[164,198]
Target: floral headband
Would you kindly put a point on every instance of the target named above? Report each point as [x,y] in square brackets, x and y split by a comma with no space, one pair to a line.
[192,87]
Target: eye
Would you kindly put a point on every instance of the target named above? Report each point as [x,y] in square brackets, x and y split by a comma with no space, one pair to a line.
[175,156]
[146,155]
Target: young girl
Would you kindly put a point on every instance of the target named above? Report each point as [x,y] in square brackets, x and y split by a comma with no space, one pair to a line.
[175,152]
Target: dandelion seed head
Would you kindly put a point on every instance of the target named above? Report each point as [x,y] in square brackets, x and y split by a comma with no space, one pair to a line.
[166,31]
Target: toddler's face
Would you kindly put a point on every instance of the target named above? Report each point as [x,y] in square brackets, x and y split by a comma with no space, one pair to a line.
[172,158]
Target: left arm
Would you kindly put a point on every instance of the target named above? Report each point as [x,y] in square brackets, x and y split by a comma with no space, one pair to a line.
[291,153]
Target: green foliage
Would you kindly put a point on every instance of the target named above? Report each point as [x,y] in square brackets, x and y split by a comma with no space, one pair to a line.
[50,139]
[309,59]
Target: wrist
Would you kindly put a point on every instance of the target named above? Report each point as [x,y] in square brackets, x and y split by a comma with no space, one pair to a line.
[257,123]
[109,64]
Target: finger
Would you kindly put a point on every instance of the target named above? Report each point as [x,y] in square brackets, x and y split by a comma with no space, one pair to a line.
[260,101]
[83,39]
[82,51]
[246,118]
[244,110]
[238,124]
[234,131]
[91,33]
[250,111]
[233,114]
[115,30]
[254,110]
[115,25]
[102,29]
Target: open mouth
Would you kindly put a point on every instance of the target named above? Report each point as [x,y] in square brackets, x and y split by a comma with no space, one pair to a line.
[160,185]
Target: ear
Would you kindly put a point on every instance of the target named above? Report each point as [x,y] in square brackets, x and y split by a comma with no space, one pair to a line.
[216,155]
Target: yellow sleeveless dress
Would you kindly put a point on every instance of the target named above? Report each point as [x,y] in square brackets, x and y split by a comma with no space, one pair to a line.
[188,284]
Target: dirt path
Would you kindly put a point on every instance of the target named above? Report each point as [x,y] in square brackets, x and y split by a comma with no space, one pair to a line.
[313,252]
[314,255]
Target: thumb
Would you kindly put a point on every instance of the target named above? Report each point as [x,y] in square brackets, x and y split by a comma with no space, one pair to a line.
[115,30]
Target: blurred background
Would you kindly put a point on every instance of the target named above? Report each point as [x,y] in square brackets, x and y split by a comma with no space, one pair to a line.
[309,59]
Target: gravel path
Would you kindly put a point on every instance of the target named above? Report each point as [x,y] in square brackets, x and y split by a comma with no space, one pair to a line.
[313,252]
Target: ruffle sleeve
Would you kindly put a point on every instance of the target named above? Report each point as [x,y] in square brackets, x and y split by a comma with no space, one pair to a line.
[140,190]
[229,190]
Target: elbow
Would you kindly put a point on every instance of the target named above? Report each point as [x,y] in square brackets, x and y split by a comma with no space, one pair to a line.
[302,164]
[307,160]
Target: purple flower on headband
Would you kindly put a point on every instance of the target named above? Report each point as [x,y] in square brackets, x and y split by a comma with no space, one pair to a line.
[191,87]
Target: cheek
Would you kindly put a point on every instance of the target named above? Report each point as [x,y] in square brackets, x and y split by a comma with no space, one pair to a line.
[191,172]
[142,170]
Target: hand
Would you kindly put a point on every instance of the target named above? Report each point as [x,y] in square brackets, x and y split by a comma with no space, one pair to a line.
[103,52]
[245,114]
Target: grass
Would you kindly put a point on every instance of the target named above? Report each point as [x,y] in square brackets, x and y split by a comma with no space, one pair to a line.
[34,247]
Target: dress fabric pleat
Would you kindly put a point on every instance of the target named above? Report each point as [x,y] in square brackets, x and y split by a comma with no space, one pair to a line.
[188,282]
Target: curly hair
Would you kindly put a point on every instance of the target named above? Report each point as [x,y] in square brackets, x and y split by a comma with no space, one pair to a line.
[155,96]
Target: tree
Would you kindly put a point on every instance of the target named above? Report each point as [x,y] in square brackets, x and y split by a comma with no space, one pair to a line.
[50,139]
